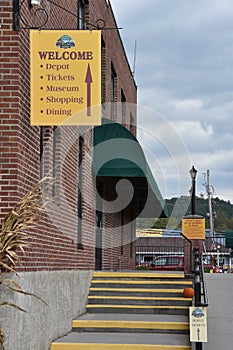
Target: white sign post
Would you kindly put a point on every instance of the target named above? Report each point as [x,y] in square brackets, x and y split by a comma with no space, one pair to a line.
[198,324]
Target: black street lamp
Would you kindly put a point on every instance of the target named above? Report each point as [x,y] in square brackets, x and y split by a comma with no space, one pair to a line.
[193,174]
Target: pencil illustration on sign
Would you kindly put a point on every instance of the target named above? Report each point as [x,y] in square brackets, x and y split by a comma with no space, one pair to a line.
[88,81]
[65,77]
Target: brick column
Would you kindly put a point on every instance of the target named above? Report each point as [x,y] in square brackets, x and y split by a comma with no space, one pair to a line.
[9,109]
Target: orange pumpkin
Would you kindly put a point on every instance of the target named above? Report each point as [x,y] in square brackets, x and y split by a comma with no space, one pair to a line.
[188,292]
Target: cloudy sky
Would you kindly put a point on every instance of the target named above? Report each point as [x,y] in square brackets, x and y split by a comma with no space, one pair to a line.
[184,74]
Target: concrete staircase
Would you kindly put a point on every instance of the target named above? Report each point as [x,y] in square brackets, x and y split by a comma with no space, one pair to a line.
[132,311]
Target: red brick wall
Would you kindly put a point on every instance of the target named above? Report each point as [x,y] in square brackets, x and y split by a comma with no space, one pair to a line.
[9,106]
[114,55]
[54,241]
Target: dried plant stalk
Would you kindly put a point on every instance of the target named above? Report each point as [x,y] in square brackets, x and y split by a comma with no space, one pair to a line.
[14,237]
[15,226]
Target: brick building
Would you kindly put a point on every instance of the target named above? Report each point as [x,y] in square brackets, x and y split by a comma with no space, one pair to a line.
[83,230]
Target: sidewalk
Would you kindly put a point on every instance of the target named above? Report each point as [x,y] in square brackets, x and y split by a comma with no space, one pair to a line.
[219,312]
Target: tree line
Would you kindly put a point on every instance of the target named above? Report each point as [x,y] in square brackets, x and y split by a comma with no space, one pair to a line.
[222,210]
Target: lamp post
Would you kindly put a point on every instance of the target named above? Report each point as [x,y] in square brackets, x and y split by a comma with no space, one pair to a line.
[193,174]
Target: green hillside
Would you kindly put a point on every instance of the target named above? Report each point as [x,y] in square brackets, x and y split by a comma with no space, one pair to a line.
[178,207]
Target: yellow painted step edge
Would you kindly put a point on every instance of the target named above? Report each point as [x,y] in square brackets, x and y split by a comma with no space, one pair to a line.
[130,324]
[104,297]
[104,306]
[137,275]
[140,282]
[91,346]
[133,290]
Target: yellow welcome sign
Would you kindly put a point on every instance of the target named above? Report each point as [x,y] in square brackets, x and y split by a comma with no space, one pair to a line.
[65,77]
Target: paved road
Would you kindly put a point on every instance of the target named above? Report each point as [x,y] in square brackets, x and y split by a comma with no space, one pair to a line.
[220,312]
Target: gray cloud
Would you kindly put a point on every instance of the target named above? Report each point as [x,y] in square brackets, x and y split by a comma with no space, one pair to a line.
[184,71]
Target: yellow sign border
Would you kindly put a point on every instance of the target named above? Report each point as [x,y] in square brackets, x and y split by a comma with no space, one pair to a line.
[65,77]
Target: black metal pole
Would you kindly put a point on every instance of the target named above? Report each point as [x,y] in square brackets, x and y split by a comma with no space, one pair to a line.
[193,173]
[197,279]
[193,206]
[197,286]
[16,14]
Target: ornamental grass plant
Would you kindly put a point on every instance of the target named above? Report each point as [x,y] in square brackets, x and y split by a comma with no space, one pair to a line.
[14,238]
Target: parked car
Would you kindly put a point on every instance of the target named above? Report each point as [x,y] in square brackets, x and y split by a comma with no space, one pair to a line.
[168,262]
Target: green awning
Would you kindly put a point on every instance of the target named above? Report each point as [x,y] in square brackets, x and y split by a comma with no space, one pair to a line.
[118,155]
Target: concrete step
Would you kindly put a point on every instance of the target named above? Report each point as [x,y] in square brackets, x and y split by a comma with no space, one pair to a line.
[131,323]
[132,311]
[126,300]
[129,326]
[148,284]
[137,309]
[132,317]
[140,292]
[86,346]
[122,341]
[137,276]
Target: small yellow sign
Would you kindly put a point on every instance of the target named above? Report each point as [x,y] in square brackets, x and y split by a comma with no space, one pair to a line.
[65,77]
[198,324]
[193,228]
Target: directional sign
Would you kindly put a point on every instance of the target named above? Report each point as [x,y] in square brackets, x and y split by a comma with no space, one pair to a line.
[198,324]
[193,228]
[65,77]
